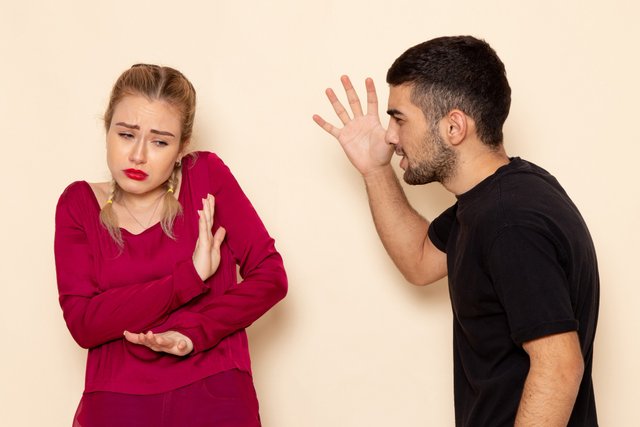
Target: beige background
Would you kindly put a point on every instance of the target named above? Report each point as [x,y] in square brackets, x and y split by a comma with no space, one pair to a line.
[353,344]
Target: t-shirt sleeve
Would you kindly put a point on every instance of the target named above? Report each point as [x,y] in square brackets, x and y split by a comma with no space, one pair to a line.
[261,267]
[440,228]
[525,266]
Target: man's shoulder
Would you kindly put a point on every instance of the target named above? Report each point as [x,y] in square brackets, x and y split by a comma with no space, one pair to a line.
[520,170]
[525,183]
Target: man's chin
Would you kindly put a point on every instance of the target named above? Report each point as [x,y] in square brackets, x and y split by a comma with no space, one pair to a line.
[412,178]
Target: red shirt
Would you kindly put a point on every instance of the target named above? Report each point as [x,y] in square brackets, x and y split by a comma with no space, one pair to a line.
[152,285]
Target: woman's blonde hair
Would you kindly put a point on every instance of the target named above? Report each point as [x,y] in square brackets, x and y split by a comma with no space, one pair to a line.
[158,84]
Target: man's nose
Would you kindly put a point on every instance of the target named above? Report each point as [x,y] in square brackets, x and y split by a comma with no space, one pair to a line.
[391,136]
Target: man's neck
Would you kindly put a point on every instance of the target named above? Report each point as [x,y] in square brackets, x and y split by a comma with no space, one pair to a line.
[474,166]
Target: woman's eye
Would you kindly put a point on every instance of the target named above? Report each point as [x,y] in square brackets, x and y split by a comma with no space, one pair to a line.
[160,143]
[126,135]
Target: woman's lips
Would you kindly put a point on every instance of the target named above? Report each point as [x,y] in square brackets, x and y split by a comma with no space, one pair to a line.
[135,174]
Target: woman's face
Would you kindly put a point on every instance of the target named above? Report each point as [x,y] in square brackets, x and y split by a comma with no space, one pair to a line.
[143,143]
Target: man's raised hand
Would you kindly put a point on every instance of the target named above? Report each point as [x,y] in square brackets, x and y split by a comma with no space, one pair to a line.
[362,136]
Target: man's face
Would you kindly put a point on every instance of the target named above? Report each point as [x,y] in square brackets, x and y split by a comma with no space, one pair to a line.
[426,156]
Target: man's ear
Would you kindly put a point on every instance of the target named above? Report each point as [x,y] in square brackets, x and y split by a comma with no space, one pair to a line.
[456,126]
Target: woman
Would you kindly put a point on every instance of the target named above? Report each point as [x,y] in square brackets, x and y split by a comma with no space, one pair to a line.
[146,269]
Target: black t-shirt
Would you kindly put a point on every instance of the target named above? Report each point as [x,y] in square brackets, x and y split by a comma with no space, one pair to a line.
[521,266]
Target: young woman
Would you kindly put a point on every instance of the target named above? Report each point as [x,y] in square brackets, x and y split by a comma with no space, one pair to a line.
[146,268]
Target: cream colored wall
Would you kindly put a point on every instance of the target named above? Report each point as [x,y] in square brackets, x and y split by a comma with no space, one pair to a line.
[353,344]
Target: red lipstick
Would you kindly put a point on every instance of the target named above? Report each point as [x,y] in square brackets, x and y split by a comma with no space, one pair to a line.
[135,174]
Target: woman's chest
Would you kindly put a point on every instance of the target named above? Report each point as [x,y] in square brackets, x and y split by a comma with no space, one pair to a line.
[144,258]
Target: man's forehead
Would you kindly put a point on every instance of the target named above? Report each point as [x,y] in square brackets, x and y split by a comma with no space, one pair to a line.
[400,97]
[400,91]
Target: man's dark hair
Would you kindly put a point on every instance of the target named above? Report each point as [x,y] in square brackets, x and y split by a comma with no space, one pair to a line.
[459,72]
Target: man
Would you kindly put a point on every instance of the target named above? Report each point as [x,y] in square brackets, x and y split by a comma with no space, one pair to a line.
[522,268]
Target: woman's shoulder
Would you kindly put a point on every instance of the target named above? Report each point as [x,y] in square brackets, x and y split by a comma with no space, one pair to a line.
[206,160]
[75,204]
[83,192]
[74,190]
[205,168]
[196,158]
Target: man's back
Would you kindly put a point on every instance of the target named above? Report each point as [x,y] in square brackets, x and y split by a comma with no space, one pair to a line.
[521,266]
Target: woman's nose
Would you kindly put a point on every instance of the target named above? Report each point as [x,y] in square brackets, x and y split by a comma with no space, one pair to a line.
[138,153]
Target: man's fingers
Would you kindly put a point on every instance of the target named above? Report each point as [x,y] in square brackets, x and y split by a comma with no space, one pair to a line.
[352,96]
[372,97]
[354,103]
[328,127]
[337,107]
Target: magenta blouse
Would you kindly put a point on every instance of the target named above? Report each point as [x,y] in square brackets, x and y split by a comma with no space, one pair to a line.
[152,285]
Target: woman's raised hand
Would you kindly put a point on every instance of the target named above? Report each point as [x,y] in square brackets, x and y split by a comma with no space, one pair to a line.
[206,256]
[362,137]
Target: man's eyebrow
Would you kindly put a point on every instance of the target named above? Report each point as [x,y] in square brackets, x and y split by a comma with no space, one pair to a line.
[393,112]
[136,127]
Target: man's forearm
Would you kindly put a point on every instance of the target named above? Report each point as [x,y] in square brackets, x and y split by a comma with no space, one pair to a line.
[402,230]
[546,402]
[552,384]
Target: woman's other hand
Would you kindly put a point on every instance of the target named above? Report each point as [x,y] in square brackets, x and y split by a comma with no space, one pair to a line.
[171,342]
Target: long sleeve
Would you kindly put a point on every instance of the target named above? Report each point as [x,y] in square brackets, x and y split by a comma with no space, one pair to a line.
[261,267]
[94,315]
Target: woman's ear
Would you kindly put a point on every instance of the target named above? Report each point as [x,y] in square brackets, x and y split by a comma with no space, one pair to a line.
[183,150]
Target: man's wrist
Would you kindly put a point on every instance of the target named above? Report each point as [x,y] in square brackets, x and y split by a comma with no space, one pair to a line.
[378,173]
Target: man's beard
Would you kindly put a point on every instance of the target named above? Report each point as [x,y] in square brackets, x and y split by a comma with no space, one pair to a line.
[438,164]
